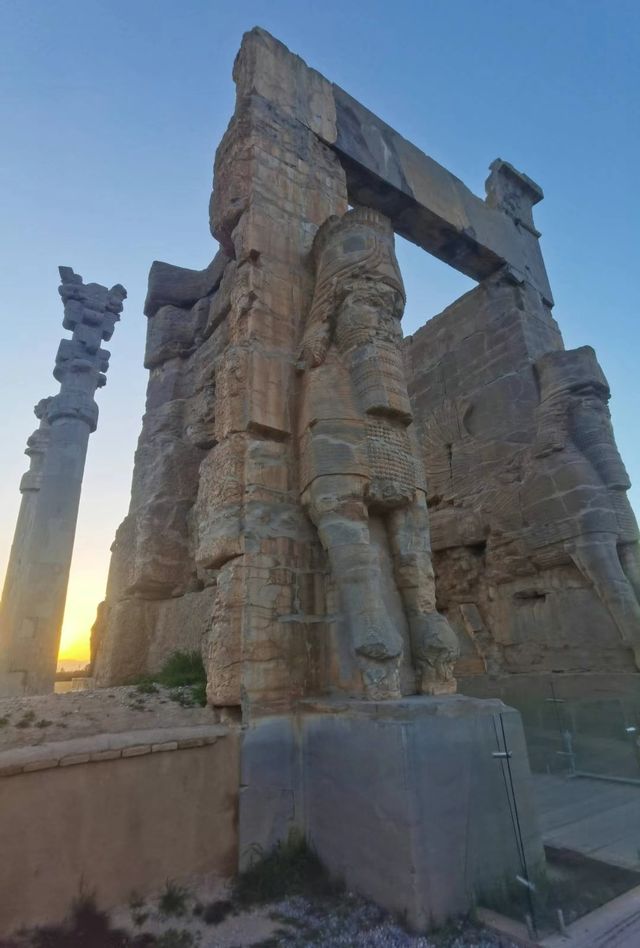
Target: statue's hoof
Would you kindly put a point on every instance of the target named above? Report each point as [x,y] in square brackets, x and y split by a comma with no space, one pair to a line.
[432,635]
[378,643]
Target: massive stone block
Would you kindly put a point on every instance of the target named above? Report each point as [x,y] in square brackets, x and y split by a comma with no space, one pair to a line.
[406,801]
[154,582]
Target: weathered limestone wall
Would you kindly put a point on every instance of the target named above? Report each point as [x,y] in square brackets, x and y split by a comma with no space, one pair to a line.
[275,183]
[220,551]
[510,507]
[114,814]
[157,600]
[215,490]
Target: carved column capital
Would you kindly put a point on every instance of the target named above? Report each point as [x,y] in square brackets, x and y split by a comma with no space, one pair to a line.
[90,312]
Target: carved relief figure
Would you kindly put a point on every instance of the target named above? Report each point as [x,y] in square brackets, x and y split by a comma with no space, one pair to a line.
[575,498]
[358,453]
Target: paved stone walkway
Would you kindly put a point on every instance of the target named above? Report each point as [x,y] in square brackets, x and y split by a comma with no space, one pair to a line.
[593,817]
[615,925]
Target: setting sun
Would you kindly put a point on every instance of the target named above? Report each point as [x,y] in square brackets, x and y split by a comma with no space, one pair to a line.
[86,590]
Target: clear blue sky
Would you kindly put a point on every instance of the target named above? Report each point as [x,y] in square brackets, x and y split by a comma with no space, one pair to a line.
[111,111]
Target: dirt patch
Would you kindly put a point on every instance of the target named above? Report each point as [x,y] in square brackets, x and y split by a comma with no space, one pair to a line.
[28,722]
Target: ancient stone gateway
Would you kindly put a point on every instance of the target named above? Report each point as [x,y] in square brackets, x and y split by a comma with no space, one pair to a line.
[35,586]
[279,519]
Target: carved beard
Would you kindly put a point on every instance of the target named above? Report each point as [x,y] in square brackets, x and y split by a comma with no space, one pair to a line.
[592,434]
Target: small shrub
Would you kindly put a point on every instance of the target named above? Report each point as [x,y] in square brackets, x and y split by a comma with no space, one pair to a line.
[173,901]
[183,696]
[27,719]
[183,673]
[4,721]
[148,687]
[87,925]
[290,869]
[216,912]
[139,918]
[43,722]
[182,668]
[199,693]
[137,909]
[136,902]
[86,917]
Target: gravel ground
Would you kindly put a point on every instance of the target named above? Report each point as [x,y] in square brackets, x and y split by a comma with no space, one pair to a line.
[346,921]
[354,923]
[59,717]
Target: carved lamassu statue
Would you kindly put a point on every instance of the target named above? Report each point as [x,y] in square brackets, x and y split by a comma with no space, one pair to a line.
[358,454]
[574,499]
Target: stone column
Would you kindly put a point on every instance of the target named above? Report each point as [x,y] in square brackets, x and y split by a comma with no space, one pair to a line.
[34,596]
[29,488]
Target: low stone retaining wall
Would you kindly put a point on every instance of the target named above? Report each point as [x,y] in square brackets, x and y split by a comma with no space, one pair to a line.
[114,813]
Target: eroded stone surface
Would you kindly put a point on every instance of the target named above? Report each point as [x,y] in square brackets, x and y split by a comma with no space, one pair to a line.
[536,545]
[278,517]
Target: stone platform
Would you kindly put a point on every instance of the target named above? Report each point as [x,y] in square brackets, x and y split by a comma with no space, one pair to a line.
[404,800]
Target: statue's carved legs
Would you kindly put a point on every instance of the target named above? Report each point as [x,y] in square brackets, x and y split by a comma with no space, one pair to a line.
[596,556]
[336,506]
[434,643]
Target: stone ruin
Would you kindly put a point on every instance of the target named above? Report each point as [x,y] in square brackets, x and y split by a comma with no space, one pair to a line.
[346,522]
[278,515]
[35,587]
[535,542]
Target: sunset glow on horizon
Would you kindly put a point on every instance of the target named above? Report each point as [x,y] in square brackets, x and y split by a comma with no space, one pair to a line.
[86,590]
[79,616]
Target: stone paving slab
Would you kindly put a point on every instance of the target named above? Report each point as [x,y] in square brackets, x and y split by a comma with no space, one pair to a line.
[615,925]
[598,819]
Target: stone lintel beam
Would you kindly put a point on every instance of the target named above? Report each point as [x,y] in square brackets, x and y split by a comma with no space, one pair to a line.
[430,206]
[426,203]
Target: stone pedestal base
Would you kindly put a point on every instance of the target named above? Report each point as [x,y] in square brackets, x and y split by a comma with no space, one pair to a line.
[404,800]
